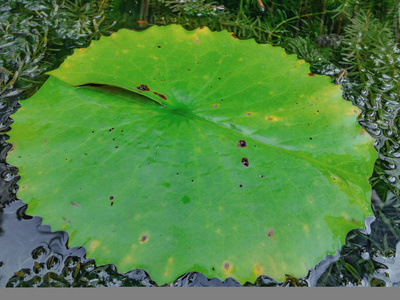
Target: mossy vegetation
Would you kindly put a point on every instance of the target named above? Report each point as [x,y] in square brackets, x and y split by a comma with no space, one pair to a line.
[355,42]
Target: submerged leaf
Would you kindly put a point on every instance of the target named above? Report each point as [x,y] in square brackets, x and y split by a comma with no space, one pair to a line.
[202,153]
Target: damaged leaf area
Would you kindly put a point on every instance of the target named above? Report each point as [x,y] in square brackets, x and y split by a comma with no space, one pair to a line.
[177,151]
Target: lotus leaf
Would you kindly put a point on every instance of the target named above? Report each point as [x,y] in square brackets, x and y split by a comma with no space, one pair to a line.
[178,151]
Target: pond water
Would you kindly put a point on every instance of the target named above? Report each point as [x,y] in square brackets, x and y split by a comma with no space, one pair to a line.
[32,255]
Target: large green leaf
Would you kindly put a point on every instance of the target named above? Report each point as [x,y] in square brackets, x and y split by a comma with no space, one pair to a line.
[251,164]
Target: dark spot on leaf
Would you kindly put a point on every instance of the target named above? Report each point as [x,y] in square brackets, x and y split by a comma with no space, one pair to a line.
[93,131]
[311,74]
[215,105]
[111,197]
[233,35]
[269,119]
[112,203]
[158,46]
[242,144]
[360,133]
[196,41]
[143,238]
[226,266]
[185,199]
[241,185]
[261,176]
[143,87]
[270,233]
[116,147]
[213,268]
[245,162]
[64,219]
[161,96]
[74,204]
[310,138]
[248,114]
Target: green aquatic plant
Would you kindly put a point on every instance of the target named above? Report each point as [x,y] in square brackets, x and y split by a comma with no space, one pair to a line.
[174,151]
[36,34]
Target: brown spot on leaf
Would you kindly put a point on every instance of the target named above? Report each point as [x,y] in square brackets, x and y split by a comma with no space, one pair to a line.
[161,96]
[111,197]
[270,233]
[242,144]
[233,35]
[245,162]
[226,266]
[143,238]
[143,87]
[158,46]
[311,74]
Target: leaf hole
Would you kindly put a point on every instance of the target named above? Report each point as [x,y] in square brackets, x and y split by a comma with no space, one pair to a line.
[245,162]
[143,87]
[242,144]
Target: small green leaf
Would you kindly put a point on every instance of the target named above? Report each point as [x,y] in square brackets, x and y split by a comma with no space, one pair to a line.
[202,153]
